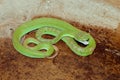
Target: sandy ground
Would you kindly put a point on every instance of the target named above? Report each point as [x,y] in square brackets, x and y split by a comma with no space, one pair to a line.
[103,64]
[104,13]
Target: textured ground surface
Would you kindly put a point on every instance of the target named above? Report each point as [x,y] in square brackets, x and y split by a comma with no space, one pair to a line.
[103,64]
[105,13]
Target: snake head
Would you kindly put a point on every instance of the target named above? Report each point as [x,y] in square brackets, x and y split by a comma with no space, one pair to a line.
[83,38]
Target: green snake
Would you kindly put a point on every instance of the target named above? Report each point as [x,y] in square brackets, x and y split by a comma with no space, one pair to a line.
[61,30]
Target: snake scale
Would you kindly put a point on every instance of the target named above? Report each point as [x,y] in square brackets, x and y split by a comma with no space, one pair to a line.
[61,30]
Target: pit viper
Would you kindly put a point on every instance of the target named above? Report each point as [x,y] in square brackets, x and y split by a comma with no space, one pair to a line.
[61,30]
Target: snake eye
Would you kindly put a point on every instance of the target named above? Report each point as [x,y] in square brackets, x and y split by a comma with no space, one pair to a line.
[87,40]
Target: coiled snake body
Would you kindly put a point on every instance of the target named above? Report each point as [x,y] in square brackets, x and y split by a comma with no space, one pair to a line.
[61,30]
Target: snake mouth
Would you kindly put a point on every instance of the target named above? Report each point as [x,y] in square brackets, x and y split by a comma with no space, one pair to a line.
[83,43]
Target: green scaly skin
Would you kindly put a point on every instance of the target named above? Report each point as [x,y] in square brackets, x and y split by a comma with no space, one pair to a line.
[58,28]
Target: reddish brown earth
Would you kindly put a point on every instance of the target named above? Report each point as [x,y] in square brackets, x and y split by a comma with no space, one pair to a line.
[103,64]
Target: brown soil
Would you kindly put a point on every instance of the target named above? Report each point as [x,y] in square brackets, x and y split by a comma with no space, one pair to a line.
[114,2]
[103,64]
